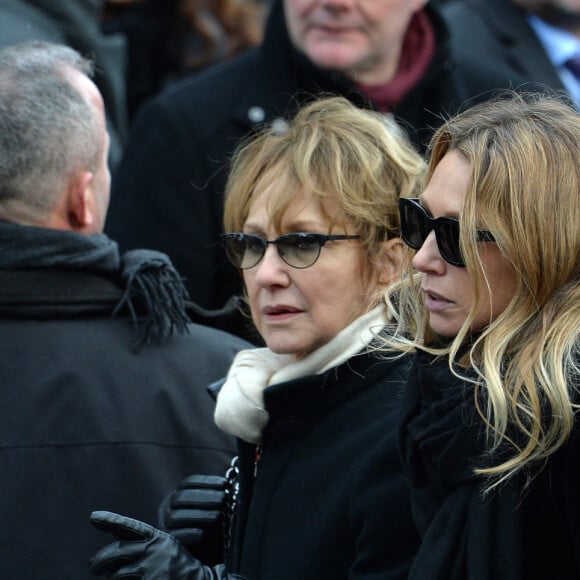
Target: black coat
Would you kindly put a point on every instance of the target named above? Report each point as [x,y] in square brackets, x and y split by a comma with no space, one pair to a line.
[168,191]
[509,534]
[329,499]
[89,423]
[494,35]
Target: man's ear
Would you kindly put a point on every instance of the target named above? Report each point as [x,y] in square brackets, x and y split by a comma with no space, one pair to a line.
[81,206]
[392,257]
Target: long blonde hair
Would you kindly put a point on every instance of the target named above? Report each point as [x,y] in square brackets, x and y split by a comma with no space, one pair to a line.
[524,151]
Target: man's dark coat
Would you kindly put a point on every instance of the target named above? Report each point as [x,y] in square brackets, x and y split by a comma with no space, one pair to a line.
[494,35]
[88,422]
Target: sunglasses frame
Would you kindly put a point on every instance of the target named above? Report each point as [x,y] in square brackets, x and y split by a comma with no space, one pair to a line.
[435,224]
[320,239]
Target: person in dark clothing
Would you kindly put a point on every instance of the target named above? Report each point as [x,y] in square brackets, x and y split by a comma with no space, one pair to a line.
[103,378]
[77,23]
[490,435]
[524,41]
[168,191]
[321,491]
[170,39]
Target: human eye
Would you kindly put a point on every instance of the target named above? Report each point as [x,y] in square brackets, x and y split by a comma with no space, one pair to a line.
[253,241]
[423,205]
[304,241]
[424,209]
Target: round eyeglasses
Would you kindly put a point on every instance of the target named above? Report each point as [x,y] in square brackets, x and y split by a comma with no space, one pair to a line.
[416,224]
[299,250]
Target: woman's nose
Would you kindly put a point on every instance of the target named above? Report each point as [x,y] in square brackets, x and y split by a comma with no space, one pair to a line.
[428,258]
[271,270]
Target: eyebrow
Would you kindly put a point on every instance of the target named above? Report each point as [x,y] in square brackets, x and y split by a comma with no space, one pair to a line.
[250,227]
[453,215]
[307,226]
[291,227]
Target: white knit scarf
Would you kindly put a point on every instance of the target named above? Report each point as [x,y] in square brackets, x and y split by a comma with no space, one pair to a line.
[240,407]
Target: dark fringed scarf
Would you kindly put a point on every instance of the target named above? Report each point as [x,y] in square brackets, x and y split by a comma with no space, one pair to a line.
[151,279]
[152,290]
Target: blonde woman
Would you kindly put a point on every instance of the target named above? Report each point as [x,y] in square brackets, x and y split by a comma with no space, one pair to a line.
[490,433]
[312,223]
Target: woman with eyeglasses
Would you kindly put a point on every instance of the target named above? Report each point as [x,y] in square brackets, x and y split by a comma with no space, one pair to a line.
[490,435]
[312,222]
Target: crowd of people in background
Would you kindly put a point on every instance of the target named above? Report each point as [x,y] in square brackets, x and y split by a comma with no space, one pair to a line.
[290,289]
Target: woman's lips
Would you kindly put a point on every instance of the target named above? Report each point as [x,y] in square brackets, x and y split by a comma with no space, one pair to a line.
[435,301]
[332,29]
[279,313]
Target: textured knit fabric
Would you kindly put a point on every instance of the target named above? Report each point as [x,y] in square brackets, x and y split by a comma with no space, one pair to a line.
[153,292]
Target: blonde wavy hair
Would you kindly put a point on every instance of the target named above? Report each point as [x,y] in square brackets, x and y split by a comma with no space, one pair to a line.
[360,160]
[524,150]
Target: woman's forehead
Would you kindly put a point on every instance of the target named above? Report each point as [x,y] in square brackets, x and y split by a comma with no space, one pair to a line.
[284,205]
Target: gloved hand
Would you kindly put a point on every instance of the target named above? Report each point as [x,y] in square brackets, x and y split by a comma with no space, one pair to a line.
[193,513]
[143,552]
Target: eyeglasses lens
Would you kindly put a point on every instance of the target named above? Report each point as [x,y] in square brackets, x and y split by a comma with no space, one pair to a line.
[255,248]
[416,225]
[244,251]
[299,250]
[448,242]
[415,228]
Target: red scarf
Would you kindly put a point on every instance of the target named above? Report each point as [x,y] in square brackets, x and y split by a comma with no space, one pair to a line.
[416,55]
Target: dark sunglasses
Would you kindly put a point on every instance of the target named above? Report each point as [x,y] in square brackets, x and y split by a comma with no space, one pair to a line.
[416,224]
[299,250]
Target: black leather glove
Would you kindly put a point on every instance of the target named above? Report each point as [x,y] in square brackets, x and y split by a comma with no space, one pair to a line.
[193,513]
[143,552]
